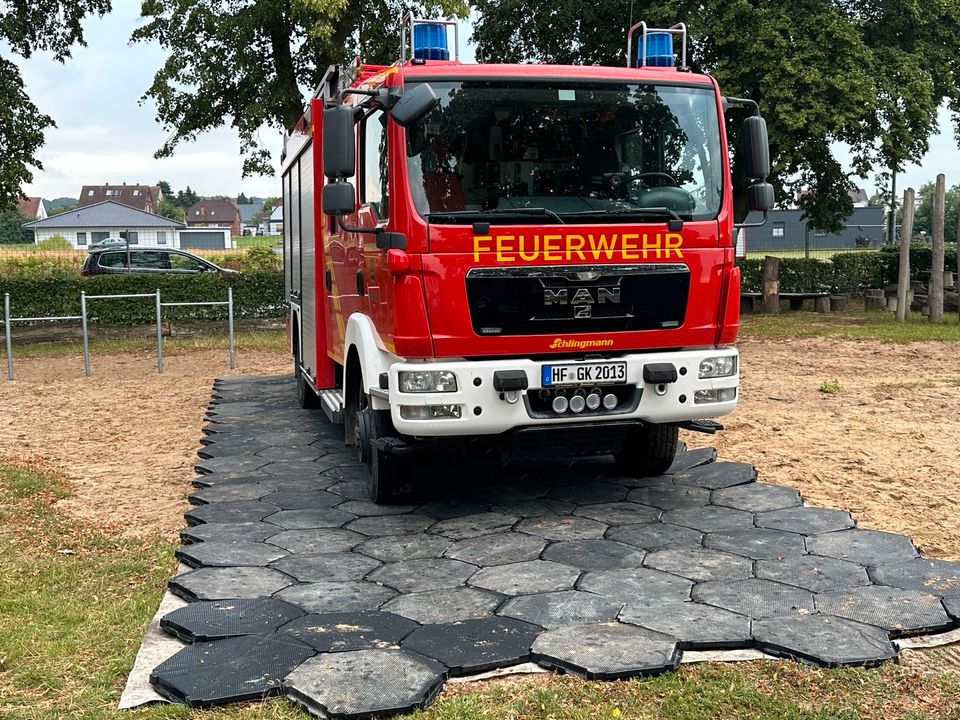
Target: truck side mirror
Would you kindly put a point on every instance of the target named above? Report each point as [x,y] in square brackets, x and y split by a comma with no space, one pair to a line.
[756,148]
[414,105]
[760,197]
[339,198]
[339,144]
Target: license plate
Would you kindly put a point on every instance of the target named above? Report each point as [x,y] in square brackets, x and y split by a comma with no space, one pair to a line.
[600,373]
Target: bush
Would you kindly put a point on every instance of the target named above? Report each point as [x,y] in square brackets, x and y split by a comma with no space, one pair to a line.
[261,259]
[847,272]
[257,294]
[55,242]
[921,260]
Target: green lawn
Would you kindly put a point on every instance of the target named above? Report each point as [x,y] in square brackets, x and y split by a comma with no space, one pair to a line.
[249,241]
[853,325]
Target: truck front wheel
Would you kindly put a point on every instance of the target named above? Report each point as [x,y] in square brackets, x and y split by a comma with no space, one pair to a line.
[649,450]
[389,476]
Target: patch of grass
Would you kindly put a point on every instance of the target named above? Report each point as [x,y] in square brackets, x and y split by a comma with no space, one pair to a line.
[830,386]
[918,384]
[74,602]
[245,340]
[250,241]
[852,325]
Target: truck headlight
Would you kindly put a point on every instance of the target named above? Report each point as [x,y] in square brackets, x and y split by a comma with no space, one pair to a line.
[716,367]
[427,381]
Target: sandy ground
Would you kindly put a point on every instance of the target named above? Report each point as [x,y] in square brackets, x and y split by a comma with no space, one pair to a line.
[886,445]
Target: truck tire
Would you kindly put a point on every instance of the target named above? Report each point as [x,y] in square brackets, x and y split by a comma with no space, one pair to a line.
[389,476]
[306,397]
[649,451]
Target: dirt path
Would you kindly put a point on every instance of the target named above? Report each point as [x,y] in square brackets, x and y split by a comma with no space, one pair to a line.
[885,446]
[126,438]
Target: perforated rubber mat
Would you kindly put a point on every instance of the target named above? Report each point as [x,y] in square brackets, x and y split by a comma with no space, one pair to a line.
[299,585]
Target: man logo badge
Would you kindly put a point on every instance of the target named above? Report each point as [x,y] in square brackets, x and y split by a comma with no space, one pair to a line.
[583,299]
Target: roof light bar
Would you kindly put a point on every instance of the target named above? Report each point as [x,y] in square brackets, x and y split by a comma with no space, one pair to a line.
[428,38]
[656,46]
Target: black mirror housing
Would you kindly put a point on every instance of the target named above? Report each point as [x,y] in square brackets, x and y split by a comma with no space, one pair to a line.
[760,197]
[756,148]
[339,143]
[414,105]
[339,198]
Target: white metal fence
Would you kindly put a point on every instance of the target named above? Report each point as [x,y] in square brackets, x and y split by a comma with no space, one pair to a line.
[9,320]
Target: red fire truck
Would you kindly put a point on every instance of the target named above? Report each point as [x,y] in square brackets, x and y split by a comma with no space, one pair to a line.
[535,258]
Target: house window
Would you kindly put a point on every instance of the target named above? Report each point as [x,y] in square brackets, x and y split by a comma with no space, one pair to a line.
[778,228]
[81,238]
[98,236]
[90,193]
[819,233]
[161,237]
[136,193]
[196,212]
[112,193]
[130,236]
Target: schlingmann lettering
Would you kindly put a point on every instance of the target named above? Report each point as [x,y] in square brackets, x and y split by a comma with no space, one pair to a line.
[562,344]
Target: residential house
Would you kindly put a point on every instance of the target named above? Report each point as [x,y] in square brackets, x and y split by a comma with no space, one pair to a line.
[108,219]
[32,207]
[275,226]
[141,197]
[248,214]
[215,212]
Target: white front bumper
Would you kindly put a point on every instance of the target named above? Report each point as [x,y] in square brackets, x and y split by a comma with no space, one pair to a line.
[483,412]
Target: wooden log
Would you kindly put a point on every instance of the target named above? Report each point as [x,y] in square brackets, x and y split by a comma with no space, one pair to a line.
[903,279]
[873,300]
[746,304]
[796,304]
[822,304]
[936,271]
[771,286]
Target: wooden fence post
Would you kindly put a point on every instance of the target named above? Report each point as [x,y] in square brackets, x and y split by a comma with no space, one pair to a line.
[770,303]
[936,270]
[903,279]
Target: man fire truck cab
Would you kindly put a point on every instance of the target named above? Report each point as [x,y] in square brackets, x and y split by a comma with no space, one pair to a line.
[537,256]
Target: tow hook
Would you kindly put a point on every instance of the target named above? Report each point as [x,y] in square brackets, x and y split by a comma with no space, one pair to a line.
[660,375]
[510,383]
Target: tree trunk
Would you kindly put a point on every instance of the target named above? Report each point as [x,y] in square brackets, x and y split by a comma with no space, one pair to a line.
[936,270]
[771,285]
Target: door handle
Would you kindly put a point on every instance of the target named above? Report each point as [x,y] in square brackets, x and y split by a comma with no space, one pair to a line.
[328,279]
[360,286]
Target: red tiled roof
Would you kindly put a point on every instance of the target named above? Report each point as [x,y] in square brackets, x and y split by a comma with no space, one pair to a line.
[141,197]
[29,206]
[213,211]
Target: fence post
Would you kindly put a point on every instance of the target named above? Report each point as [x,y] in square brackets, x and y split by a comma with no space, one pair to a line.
[935,296]
[6,332]
[770,302]
[83,329]
[159,337]
[903,279]
[230,324]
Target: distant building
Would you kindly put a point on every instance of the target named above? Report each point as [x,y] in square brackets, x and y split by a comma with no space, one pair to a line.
[275,223]
[85,226]
[141,197]
[214,213]
[249,212]
[788,231]
[32,207]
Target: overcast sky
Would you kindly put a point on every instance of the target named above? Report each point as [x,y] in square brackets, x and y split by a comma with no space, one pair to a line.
[104,134]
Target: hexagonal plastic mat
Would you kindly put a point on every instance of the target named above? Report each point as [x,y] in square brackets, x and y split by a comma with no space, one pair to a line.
[603,575]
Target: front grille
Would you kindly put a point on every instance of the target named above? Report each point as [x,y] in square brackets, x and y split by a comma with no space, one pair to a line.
[571,440]
[570,299]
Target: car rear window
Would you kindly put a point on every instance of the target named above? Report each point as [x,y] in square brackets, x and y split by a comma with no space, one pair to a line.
[113,259]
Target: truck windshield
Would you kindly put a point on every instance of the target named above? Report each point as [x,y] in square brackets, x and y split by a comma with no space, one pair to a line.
[583,152]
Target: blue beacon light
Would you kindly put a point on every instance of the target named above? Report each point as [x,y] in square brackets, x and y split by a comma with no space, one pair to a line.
[430,41]
[659,50]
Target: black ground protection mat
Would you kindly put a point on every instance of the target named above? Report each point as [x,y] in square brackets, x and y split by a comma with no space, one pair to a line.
[300,585]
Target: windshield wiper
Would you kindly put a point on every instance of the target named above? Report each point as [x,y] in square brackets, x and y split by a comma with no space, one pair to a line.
[499,211]
[674,222]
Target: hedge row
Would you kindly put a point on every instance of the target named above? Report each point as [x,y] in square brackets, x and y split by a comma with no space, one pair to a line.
[255,295]
[850,272]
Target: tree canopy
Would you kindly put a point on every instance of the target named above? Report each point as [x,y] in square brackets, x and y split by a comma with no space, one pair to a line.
[25,28]
[871,73]
[923,215]
[248,63]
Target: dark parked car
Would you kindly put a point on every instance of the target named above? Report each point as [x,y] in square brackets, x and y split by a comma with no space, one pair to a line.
[113,258]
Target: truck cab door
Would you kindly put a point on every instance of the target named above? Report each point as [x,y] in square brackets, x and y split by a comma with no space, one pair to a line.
[374,212]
